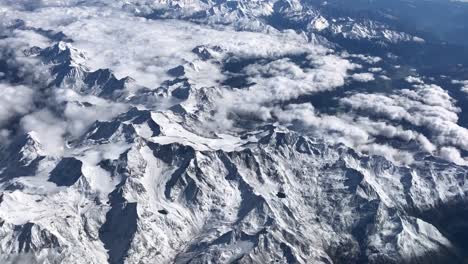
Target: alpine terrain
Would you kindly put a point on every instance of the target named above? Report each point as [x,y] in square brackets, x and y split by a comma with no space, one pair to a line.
[221,131]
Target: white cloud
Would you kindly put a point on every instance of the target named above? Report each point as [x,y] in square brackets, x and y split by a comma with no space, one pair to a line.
[324,124]
[365,58]
[427,106]
[145,49]
[14,101]
[426,144]
[49,130]
[383,129]
[363,77]
[286,80]
[395,155]
[375,69]
[414,79]
[4,136]
[453,155]
[78,117]
[358,134]
[282,80]
[464,85]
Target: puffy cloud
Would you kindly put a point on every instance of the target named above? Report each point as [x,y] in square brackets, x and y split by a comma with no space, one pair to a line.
[363,77]
[432,94]
[418,106]
[282,80]
[453,155]
[426,144]
[20,68]
[364,58]
[4,136]
[375,69]
[14,101]
[383,129]
[332,125]
[358,134]
[427,106]
[395,155]
[414,79]
[465,89]
[82,111]
[145,49]
[49,129]
[464,85]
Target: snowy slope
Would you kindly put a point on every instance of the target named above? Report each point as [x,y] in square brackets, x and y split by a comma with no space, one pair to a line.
[188,132]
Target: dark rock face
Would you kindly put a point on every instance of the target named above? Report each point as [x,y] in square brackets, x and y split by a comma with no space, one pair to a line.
[67,71]
[281,195]
[177,71]
[67,172]
[25,240]
[202,52]
[180,157]
[120,227]
[104,83]
[123,127]
[163,212]
[206,53]
[105,130]
[181,92]
[450,220]
[20,158]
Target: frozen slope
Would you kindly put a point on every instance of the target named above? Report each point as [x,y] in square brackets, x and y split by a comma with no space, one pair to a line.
[200,142]
[151,202]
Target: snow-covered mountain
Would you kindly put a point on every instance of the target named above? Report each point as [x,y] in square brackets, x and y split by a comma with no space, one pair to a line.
[264,14]
[223,132]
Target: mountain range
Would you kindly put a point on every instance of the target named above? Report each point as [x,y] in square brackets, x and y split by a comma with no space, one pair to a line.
[215,131]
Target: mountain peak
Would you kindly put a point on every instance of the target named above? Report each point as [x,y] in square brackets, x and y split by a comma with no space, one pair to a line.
[63,53]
